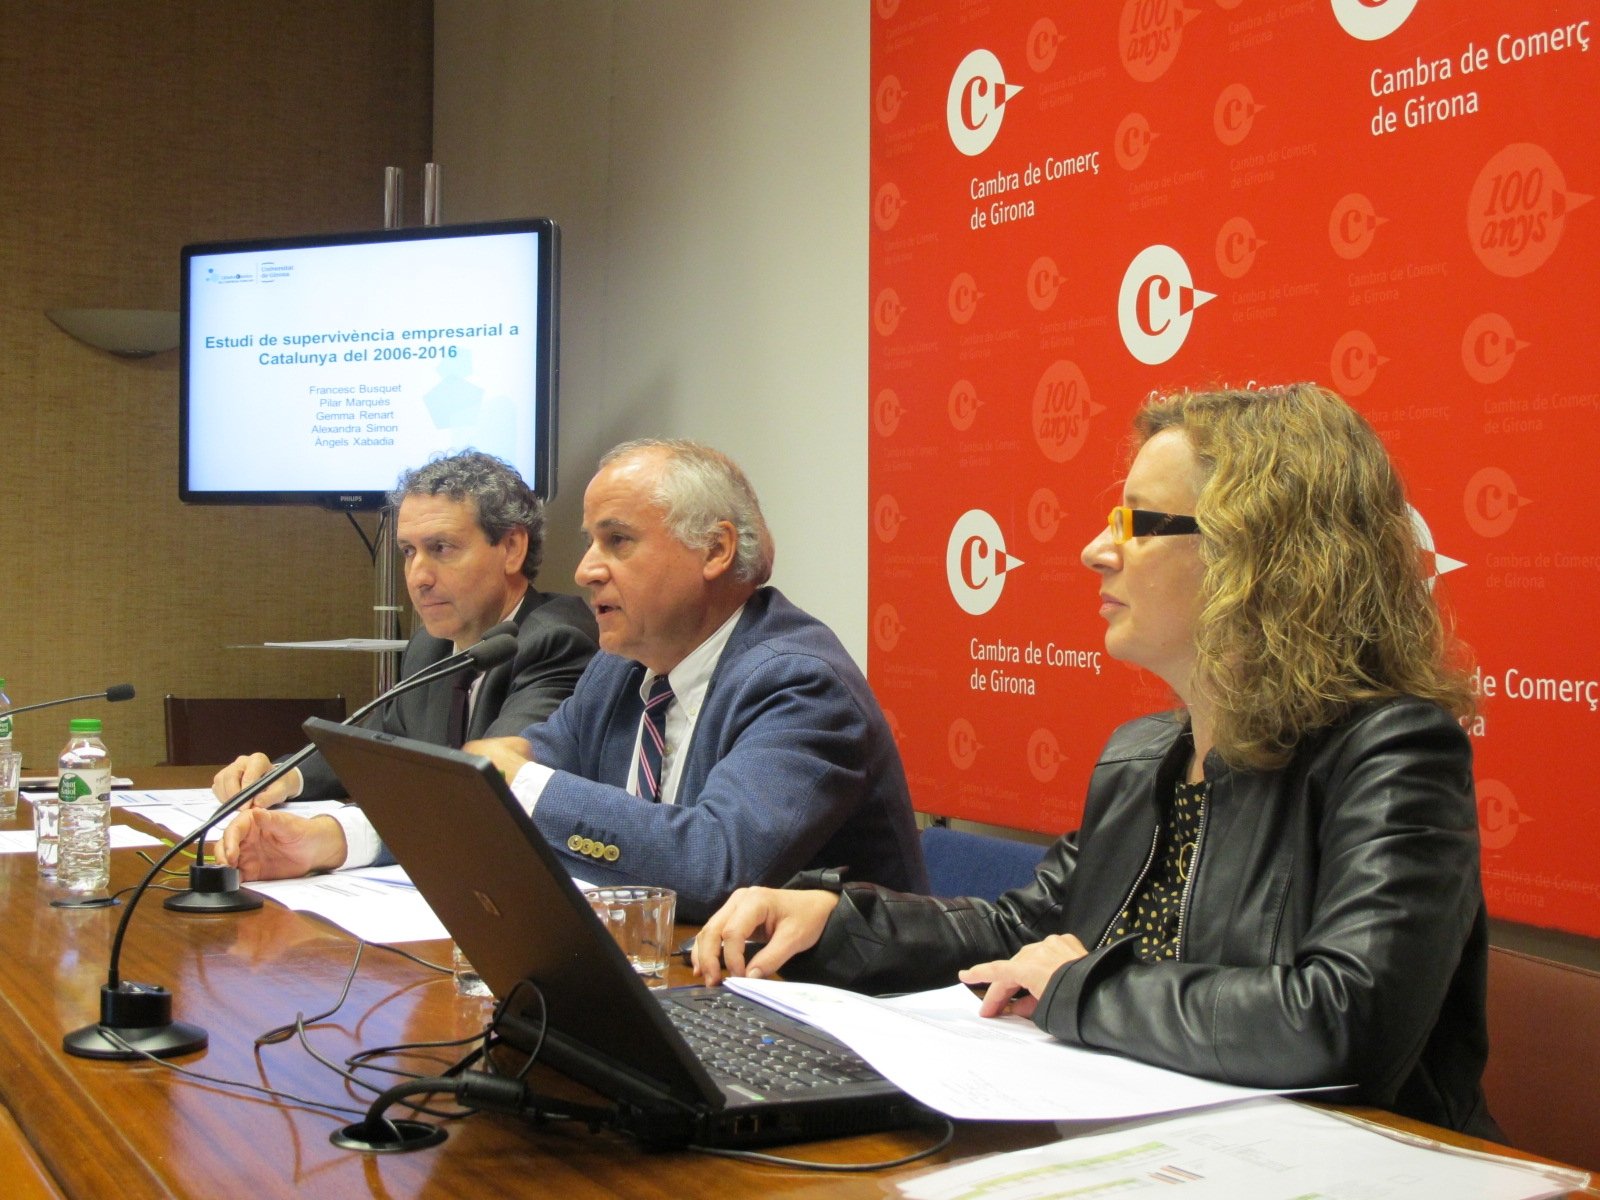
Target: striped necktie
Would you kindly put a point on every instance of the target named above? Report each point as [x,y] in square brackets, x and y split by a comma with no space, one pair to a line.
[653,738]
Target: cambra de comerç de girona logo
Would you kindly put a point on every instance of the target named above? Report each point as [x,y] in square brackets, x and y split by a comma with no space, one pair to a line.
[1156,304]
[1371,20]
[976,561]
[975,106]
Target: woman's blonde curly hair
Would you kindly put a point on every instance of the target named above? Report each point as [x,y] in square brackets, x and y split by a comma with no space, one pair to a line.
[1314,597]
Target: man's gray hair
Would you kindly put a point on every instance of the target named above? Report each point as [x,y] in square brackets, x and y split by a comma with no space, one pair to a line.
[699,487]
[503,501]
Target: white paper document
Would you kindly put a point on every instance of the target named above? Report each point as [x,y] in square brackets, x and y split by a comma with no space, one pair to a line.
[25,841]
[1260,1150]
[183,810]
[377,904]
[179,811]
[934,1046]
[147,799]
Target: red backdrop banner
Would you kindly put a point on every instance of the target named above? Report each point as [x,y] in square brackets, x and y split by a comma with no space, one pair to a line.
[1074,204]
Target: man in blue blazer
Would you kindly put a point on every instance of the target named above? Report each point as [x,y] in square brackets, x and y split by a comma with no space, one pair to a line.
[774,755]
[764,753]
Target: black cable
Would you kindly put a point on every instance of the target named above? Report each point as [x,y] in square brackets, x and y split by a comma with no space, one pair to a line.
[358,1060]
[500,1017]
[371,544]
[475,1091]
[112,1036]
[440,968]
[775,1160]
[355,1080]
[281,1033]
[297,1028]
[145,854]
[495,1094]
[155,887]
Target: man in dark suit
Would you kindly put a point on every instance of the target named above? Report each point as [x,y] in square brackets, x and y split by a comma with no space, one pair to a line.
[723,736]
[471,534]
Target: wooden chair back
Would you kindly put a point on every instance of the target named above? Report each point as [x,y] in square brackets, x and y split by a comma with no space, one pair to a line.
[204,730]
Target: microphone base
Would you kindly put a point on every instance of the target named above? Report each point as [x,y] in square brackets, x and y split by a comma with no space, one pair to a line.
[214,888]
[387,1136]
[140,1015]
[166,1042]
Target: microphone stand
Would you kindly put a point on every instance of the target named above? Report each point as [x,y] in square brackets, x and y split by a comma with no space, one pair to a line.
[213,887]
[136,1018]
[119,691]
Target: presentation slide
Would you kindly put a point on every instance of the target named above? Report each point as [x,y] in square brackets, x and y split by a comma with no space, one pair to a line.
[332,368]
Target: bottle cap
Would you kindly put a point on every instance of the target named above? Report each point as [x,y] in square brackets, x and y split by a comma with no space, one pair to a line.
[84,725]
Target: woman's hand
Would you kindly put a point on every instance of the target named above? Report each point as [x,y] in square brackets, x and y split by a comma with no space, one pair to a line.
[1017,984]
[788,921]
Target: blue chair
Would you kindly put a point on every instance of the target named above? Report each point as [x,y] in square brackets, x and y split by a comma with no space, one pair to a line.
[974,864]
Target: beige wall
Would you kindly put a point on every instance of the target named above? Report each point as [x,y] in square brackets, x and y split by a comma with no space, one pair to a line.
[707,160]
[130,128]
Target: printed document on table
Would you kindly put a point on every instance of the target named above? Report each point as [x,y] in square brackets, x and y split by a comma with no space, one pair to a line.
[934,1046]
[25,841]
[1260,1150]
[377,904]
[183,810]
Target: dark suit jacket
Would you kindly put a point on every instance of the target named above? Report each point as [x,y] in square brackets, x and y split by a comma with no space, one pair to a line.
[791,765]
[556,637]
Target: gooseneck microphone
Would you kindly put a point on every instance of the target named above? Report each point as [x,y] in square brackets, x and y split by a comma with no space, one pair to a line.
[114,693]
[213,887]
[136,1018]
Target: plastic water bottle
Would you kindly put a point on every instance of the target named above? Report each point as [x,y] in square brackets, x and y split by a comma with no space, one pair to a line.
[84,792]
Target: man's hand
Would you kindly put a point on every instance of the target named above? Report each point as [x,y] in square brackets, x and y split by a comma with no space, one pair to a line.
[266,844]
[789,922]
[243,771]
[508,754]
[1017,984]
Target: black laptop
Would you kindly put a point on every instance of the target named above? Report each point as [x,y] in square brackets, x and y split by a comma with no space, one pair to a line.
[751,1077]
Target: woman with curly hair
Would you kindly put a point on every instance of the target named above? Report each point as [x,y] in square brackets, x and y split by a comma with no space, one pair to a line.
[1275,885]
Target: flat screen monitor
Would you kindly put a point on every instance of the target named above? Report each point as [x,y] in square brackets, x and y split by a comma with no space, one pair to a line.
[313,370]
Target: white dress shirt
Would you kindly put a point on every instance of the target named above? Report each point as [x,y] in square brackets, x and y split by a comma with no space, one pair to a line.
[689,680]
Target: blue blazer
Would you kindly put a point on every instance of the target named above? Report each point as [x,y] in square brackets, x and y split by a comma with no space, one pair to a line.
[791,766]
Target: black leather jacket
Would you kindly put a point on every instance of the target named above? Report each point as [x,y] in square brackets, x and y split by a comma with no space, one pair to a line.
[1333,933]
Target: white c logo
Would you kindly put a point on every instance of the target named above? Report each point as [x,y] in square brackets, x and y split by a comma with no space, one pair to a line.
[1434,564]
[976,562]
[1157,303]
[976,104]
[1372,20]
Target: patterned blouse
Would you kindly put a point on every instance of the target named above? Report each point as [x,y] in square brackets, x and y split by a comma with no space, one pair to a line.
[1153,914]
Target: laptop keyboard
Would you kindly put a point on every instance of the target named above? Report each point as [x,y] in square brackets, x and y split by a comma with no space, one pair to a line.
[736,1045]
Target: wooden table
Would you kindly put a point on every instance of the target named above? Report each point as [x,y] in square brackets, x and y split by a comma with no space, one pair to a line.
[80,1128]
